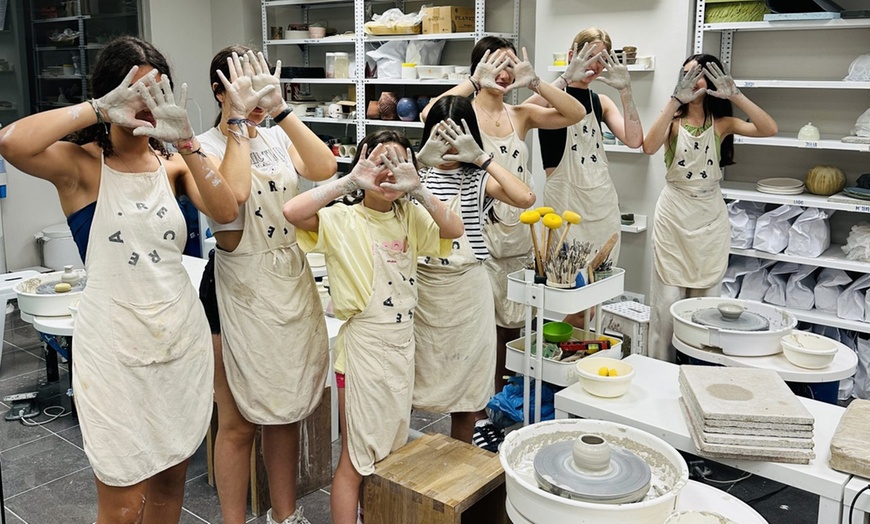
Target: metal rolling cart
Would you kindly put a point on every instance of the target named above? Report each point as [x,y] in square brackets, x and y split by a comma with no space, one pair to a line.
[522,288]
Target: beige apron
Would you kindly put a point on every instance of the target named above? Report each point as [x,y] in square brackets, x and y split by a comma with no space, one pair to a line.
[454,328]
[508,240]
[143,366]
[379,346]
[581,183]
[691,233]
[275,344]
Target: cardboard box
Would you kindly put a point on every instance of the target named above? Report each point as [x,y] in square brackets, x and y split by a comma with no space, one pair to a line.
[448,19]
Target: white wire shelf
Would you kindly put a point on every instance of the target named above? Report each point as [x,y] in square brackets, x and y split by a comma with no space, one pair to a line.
[328,40]
[833,257]
[631,67]
[438,36]
[790,25]
[802,84]
[838,202]
[783,140]
[621,148]
[394,123]
[327,120]
[639,225]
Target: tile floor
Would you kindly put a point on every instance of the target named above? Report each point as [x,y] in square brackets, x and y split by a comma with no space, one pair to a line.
[46,477]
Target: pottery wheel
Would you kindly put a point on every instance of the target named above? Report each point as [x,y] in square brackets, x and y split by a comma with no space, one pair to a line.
[626,480]
[47,288]
[747,321]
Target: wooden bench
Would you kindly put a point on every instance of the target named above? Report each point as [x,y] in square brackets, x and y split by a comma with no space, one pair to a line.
[436,480]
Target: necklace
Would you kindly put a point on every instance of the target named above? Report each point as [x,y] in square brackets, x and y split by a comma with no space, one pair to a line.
[485,112]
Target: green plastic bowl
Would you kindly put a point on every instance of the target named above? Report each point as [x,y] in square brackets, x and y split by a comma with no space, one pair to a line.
[558,331]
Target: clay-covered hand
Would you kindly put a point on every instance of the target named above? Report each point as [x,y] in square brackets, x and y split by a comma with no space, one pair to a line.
[407,179]
[265,82]
[488,69]
[685,90]
[578,68]
[240,96]
[725,86]
[432,152]
[524,72]
[461,139]
[366,171]
[120,105]
[173,125]
[617,73]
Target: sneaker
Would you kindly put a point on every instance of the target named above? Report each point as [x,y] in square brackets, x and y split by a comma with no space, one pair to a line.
[295,518]
[487,436]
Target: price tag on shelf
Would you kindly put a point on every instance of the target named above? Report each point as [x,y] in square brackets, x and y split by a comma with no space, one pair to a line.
[811,145]
[862,208]
[798,201]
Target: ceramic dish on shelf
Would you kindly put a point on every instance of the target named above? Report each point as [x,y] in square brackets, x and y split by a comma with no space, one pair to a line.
[775,191]
[857,192]
[780,183]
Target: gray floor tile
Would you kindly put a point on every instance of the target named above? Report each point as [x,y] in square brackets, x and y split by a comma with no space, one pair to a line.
[198,463]
[316,507]
[23,337]
[12,519]
[38,462]
[422,419]
[71,499]
[189,518]
[201,500]
[13,433]
[18,362]
[73,435]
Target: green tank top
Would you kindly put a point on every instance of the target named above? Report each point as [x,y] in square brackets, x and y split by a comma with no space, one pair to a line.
[694,131]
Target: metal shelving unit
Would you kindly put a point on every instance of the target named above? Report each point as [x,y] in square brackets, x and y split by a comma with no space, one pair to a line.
[366,89]
[65,38]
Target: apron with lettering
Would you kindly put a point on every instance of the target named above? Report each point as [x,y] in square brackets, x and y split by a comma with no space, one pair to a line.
[143,366]
[275,344]
[582,183]
[509,241]
[691,233]
[454,328]
[379,345]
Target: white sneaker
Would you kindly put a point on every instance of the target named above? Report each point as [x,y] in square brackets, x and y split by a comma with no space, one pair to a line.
[295,518]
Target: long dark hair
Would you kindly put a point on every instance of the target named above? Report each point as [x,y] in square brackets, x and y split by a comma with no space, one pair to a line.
[113,64]
[491,44]
[713,106]
[219,63]
[371,140]
[457,108]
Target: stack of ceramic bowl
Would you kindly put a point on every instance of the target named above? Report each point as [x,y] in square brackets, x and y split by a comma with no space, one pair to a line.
[780,186]
[857,192]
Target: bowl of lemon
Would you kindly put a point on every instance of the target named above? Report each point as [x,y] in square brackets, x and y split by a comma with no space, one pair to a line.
[604,376]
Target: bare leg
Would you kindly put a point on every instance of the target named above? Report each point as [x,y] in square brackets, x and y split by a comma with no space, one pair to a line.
[281,454]
[503,335]
[232,449]
[164,495]
[462,424]
[346,482]
[116,505]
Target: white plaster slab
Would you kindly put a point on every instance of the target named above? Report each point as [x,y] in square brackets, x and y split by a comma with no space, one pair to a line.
[850,446]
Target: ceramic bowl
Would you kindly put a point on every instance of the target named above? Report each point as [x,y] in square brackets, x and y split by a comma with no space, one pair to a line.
[557,331]
[808,350]
[698,517]
[610,386]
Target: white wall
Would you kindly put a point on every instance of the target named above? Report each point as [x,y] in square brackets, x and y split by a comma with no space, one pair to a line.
[656,27]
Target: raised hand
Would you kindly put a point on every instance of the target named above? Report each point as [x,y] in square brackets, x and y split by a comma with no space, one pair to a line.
[120,105]
[460,139]
[524,72]
[407,180]
[578,68]
[241,97]
[271,100]
[366,171]
[617,73]
[432,152]
[488,69]
[173,125]
[725,86]
[685,90]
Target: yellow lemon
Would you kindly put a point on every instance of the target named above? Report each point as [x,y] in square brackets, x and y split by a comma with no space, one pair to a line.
[603,371]
[612,373]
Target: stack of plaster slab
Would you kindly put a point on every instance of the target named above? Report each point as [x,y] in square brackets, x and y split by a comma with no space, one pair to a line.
[741,413]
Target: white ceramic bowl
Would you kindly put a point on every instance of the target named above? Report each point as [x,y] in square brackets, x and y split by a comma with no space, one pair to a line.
[808,350]
[601,386]
[697,517]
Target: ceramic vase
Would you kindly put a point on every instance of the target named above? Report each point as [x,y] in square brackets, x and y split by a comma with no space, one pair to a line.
[387,105]
[591,453]
[373,111]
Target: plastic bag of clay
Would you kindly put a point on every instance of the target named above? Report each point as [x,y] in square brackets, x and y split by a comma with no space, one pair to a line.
[861,387]
[810,235]
[850,304]
[389,58]
[426,52]
[859,69]
[771,229]
[858,243]
[751,274]
[829,286]
[743,217]
[394,21]
[799,288]
[862,125]
[733,278]
[777,278]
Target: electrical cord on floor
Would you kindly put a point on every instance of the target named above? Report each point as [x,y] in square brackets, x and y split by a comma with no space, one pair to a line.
[764,497]
[51,416]
[854,500]
[702,473]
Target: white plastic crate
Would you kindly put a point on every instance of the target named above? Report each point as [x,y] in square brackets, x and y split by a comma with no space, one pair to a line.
[556,372]
[632,320]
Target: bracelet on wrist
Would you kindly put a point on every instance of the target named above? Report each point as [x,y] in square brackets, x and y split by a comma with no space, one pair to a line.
[96,107]
[487,162]
[475,85]
[283,114]
[240,122]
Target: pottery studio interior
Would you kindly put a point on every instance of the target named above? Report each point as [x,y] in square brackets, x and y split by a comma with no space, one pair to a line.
[648,222]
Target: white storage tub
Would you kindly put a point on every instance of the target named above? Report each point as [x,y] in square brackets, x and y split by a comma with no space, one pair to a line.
[557,372]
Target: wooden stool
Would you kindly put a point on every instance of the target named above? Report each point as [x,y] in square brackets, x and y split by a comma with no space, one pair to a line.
[315,457]
[433,480]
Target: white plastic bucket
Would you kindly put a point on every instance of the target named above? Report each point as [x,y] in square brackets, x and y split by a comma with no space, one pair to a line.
[58,248]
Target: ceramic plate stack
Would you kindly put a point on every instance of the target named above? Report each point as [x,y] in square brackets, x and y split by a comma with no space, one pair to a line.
[780,186]
[744,413]
[857,192]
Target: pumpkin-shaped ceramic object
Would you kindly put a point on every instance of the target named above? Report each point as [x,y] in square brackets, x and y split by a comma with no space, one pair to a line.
[387,105]
[825,180]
